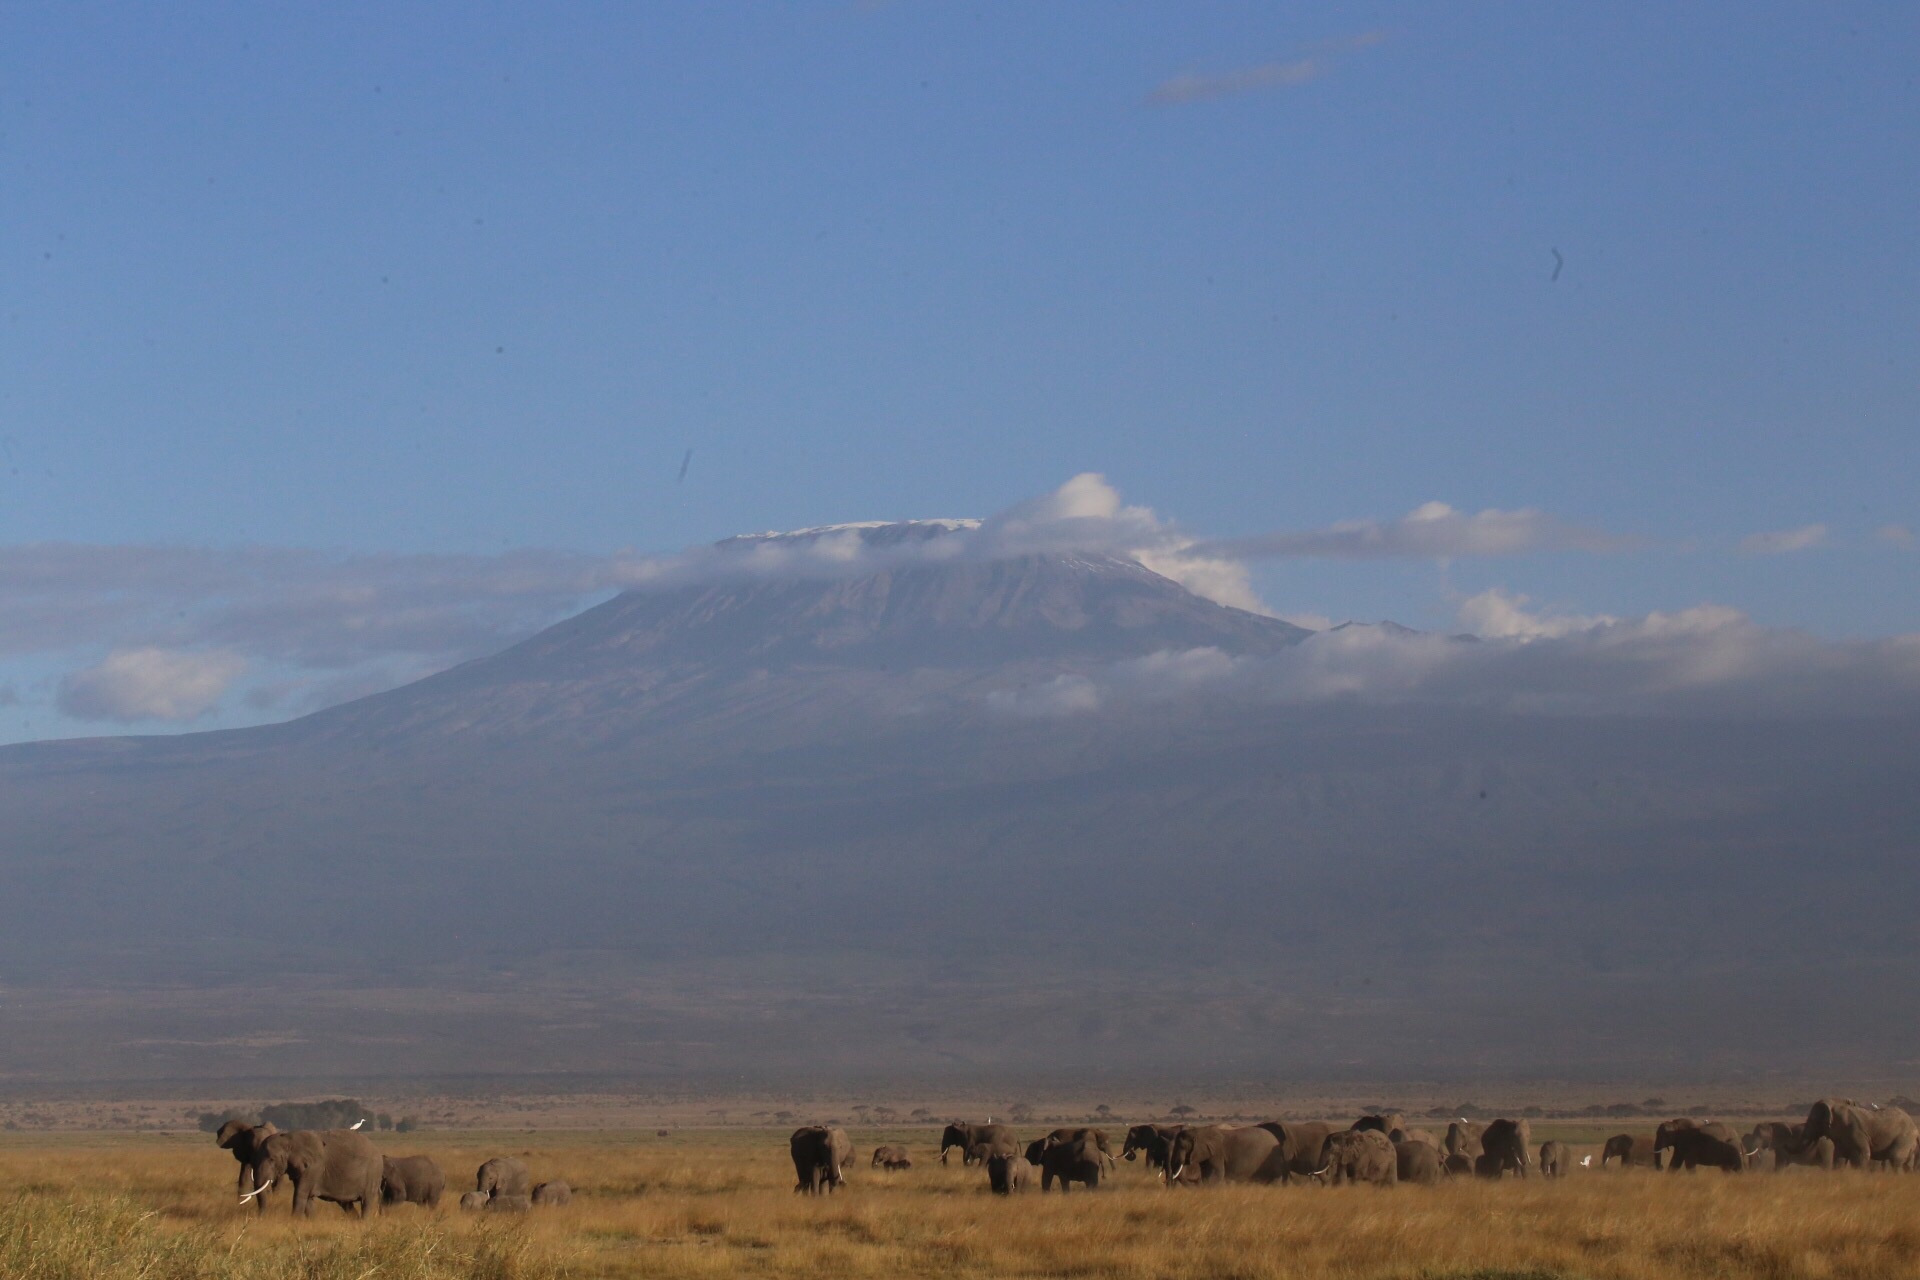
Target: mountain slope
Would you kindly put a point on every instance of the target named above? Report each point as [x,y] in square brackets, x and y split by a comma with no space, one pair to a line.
[696,826]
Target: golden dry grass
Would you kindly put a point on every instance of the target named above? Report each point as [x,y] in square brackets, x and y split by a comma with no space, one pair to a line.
[713,1205]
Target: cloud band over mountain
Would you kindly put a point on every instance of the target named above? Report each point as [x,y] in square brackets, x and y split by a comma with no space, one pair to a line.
[144,633]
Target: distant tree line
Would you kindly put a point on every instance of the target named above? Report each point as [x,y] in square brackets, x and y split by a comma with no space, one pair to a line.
[328,1113]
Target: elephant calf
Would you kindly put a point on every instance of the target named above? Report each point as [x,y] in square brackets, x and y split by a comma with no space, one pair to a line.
[411,1180]
[473,1201]
[552,1194]
[1007,1174]
[891,1159]
[1556,1159]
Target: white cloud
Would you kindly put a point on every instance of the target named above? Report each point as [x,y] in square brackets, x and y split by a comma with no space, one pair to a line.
[1497,615]
[1783,541]
[1708,660]
[150,684]
[1432,531]
[1060,696]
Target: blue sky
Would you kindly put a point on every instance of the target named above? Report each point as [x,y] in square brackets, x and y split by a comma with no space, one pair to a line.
[461,280]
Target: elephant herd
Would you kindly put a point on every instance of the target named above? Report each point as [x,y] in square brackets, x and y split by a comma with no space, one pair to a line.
[1379,1150]
[343,1166]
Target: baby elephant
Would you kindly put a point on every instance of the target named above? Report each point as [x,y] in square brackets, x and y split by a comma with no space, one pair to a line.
[474,1201]
[1556,1159]
[1007,1173]
[553,1194]
[891,1158]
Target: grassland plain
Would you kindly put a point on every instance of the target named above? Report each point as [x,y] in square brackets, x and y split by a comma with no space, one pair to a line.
[719,1203]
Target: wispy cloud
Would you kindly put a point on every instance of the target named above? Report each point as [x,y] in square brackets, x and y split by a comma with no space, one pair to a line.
[1708,660]
[1896,535]
[1196,86]
[1433,531]
[1784,541]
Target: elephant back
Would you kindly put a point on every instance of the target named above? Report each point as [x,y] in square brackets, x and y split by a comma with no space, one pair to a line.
[1417,1162]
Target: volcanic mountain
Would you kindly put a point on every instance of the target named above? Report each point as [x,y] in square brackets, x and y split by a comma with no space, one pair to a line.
[770,824]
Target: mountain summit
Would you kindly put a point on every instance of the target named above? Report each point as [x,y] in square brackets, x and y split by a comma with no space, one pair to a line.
[942,631]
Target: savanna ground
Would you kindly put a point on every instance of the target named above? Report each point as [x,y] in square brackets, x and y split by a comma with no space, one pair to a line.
[720,1203]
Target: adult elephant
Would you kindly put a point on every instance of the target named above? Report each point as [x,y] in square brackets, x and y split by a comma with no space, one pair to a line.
[1359,1155]
[1417,1162]
[1788,1145]
[1556,1159]
[1511,1142]
[322,1164]
[503,1176]
[1071,1134]
[1690,1144]
[411,1180]
[1225,1155]
[1631,1150]
[1149,1141]
[967,1137]
[1068,1160]
[1863,1136]
[244,1141]
[821,1155]
[1303,1144]
[891,1158]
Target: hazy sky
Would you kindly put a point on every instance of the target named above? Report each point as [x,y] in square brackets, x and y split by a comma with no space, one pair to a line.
[452,280]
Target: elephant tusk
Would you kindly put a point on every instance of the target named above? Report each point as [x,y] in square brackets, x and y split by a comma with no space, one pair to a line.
[260,1190]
